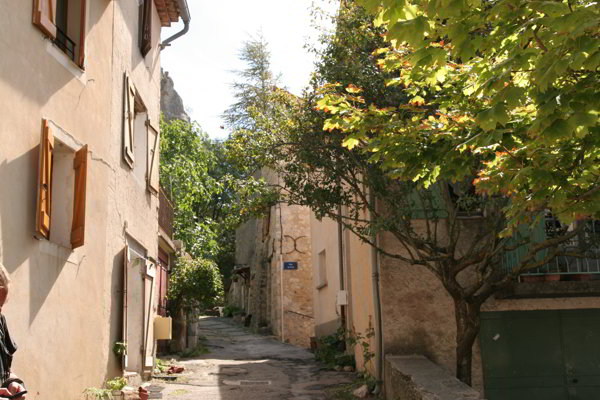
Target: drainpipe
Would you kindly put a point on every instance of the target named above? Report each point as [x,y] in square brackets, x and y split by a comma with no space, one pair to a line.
[185,16]
[376,303]
[341,266]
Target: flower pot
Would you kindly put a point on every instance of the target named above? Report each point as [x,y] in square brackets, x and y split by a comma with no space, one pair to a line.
[117,395]
[532,278]
[143,393]
[552,277]
[581,277]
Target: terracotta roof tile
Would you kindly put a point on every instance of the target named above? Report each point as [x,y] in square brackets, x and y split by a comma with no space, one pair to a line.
[168,10]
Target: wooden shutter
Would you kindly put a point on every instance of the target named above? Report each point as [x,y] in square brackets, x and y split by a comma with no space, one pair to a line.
[78,227]
[153,154]
[82,29]
[44,198]
[44,16]
[128,121]
[146,40]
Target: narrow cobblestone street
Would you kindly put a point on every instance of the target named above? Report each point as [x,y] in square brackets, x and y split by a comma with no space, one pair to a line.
[242,365]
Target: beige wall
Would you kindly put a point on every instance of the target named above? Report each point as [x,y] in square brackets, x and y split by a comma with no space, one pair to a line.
[65,306]
[324,237]
[358,283]
[361,319]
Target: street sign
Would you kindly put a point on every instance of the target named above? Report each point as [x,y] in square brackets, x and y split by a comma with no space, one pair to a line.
[290,265]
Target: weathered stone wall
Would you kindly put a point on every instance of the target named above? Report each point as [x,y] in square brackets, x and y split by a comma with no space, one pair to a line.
[263,244]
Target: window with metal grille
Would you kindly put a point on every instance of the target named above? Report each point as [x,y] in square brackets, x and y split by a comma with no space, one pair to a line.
[582,261]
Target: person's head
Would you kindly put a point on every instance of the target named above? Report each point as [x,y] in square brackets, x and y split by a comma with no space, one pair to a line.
[4,285]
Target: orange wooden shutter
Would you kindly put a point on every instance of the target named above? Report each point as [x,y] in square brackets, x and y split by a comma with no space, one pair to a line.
[82,29]
[128,121]
[44,198]
[146,42]
[78,227]
[44,16]
[153,150]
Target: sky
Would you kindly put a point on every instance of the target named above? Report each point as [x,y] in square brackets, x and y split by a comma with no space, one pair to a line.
[201,63]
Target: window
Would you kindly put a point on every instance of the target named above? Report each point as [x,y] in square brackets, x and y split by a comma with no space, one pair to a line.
[62,179]
[140,139]
[64,22]
[145,26]
[322,266]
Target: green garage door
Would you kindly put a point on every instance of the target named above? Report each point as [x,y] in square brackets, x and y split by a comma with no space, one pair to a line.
[541,355]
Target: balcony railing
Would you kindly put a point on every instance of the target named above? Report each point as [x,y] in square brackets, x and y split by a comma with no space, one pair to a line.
[585,266]
[165,213]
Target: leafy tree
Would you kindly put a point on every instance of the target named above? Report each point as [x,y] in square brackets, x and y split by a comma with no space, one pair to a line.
[195,284]
[256,80]
[211,197]
[402,146]
[511,85]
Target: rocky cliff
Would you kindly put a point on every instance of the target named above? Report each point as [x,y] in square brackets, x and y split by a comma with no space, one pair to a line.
[171,104]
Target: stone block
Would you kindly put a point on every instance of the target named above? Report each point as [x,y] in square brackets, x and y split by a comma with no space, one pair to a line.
[414,377]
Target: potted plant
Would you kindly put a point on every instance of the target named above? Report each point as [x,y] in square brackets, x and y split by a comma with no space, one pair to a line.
[119,349]
[97,393]
[115,385]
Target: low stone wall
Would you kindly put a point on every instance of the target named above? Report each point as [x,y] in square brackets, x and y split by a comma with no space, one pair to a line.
[416,378]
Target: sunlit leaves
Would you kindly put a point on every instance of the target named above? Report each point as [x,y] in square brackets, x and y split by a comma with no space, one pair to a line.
[517,84]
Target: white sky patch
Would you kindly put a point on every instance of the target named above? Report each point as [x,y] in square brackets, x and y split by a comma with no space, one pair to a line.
[201,62]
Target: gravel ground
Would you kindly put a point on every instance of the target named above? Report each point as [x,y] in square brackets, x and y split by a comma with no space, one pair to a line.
[245,366]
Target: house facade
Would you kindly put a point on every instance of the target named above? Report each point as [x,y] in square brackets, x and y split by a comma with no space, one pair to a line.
[538,339]
[273,274]
[79,229]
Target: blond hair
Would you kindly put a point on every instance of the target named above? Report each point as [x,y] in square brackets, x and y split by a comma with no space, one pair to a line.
[4,278]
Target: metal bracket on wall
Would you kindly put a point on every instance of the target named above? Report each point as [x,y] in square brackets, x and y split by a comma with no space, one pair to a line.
[295,240]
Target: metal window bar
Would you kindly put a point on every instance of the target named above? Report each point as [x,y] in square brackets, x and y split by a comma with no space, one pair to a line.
[65,43]
[562,265]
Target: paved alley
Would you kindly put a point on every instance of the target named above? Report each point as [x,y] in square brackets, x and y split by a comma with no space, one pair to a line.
[242,365]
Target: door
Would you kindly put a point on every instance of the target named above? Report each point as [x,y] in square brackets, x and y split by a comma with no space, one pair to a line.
[133,309]
[149,314]
[541,355]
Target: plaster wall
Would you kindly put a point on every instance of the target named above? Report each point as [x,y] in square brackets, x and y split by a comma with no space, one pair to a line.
[325,241]
[65,307]
[357,271]
[361,311]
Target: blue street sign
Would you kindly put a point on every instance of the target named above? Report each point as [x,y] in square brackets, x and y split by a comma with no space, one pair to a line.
[290,265]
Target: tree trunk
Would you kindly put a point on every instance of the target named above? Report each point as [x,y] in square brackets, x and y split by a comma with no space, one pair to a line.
[467,329]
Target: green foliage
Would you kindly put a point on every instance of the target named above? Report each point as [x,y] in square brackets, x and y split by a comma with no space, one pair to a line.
[117,383]
[231,310]
[331,349]
[195,284]
[162,365]
[345,391]
[98,393]
[211,197]
[508,91]
[253,84]
[119,349]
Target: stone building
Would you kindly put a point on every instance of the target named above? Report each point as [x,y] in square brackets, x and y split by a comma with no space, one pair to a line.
[79,229]
[538,339]
[273,273]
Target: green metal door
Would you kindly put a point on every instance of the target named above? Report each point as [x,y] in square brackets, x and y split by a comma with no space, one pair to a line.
[541,355]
